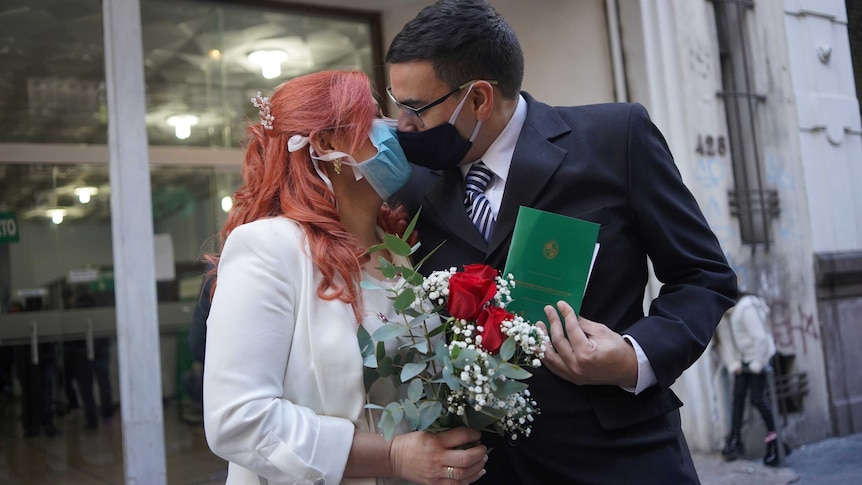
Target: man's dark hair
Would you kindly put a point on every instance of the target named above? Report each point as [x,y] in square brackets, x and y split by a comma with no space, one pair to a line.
[464,40]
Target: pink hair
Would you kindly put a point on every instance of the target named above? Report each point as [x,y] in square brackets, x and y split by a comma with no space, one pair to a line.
[280,183]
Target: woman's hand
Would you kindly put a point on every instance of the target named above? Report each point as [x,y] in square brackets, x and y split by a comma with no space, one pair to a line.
[435,458]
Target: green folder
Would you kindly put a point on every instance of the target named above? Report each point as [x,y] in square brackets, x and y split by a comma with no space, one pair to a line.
[551,258]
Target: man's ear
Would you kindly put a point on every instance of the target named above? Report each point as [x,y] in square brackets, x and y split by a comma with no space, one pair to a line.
[482,99]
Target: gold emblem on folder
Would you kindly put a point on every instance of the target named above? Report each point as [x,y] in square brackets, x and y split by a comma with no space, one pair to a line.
[551,249]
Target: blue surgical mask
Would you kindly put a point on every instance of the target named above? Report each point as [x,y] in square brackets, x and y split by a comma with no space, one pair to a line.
[386,172]
[389,170]
[441,147]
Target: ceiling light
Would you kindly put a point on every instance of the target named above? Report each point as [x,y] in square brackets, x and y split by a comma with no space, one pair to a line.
[226,203]
[182,125]
[84,193]
[269,62]
[56,215]
[214,54]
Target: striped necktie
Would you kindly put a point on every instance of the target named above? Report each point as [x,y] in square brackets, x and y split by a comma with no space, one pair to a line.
[478,206]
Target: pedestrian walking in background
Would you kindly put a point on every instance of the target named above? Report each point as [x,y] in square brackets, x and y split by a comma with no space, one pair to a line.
[745,344]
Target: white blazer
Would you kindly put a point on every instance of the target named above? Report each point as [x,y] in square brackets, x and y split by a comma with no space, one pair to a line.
[283,387]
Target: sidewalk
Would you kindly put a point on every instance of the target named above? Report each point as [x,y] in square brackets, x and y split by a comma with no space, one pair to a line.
[830,462]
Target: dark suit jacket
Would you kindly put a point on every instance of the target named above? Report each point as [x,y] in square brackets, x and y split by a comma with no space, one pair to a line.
[608,164]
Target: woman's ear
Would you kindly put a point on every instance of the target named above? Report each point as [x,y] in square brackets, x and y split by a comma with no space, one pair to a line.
[322,143]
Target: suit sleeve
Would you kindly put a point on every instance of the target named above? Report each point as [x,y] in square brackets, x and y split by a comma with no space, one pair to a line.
[698,285]
[249,336]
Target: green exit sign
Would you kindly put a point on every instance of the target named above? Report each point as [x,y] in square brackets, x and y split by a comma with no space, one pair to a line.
[8,228]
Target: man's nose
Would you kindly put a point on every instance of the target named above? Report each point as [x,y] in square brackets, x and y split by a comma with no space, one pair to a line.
[408,122]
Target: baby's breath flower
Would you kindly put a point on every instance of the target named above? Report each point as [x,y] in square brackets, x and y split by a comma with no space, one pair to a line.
[476,370]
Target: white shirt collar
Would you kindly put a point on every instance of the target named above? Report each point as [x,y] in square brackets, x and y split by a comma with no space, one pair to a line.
[498,157]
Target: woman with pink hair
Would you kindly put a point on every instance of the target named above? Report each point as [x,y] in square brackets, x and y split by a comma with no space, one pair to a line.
[284,399]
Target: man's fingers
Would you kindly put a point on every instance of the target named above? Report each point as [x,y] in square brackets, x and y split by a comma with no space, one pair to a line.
[551,352]
[576,335]
[555,328]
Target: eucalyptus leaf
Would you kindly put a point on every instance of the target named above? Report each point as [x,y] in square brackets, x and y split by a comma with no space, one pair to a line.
[436,331]
[390,331]
[421,346]
[465,357]
[411,312]
[396,410]
[513,371]
[453,382]
[429,411]
[412,277]
[418,320]
[396,245]
[485,418]
[409,230]
[411,415]
[369,376]
[509,387]
[375,248]
[404,299]
[455,352]
[414,390]
[387,425]
[507,350]
[387,269]
[385,367]
[411,370]
[366,344]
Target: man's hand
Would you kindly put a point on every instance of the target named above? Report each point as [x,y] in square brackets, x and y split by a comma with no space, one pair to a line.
[592,354]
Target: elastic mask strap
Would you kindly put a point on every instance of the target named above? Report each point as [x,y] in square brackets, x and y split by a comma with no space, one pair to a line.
[328,158]
[458,112]
[322,175]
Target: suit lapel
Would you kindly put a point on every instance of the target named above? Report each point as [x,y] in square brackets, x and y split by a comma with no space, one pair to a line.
[446,199]
[533,164]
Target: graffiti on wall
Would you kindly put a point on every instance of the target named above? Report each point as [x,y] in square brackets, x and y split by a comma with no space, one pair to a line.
[791,324]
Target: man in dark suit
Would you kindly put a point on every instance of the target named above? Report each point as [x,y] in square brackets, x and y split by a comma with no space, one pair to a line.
[607,413]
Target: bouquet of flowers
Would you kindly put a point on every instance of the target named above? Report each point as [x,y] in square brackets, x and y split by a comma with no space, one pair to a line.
[463,355]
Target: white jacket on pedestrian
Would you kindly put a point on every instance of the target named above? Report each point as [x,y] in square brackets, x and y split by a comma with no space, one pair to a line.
[744,336]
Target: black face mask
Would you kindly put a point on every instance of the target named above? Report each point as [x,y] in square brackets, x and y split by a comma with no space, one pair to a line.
[438,148]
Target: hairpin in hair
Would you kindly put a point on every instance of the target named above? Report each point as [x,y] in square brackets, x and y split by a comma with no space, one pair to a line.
[265,110]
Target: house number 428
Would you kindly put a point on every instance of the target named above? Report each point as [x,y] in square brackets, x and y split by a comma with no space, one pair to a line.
[711,145]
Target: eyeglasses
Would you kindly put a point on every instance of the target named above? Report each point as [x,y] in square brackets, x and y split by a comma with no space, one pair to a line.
[418,111]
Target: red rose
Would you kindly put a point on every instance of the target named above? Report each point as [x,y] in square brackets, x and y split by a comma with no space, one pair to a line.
[481,270]
[468,292]
[492,332]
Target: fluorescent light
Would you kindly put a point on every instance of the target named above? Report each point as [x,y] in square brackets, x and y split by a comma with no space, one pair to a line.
[226,203]
[182,125]
[56,215]
[84,193]
[269,62]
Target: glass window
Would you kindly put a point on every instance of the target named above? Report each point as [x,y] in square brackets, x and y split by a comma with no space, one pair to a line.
[202,61]
[56,262]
